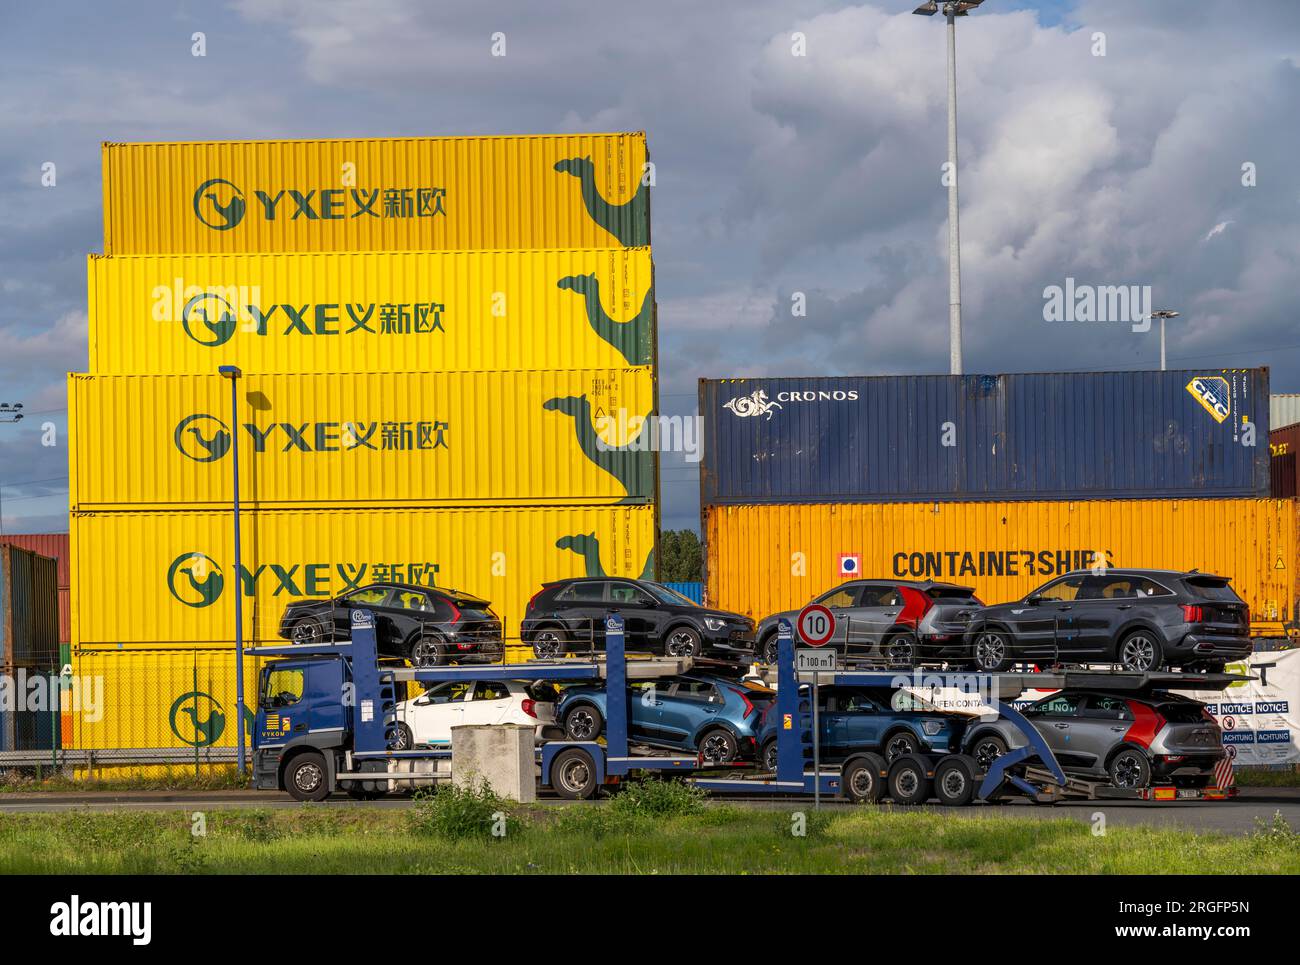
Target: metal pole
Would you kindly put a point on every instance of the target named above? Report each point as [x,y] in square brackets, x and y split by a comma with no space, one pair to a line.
[954,243]
[816,735]
[239,590]
[1162,343]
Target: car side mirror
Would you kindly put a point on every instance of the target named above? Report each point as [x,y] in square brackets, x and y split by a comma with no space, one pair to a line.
[1034,599]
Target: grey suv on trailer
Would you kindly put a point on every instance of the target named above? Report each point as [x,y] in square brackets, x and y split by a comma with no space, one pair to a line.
[1142,620]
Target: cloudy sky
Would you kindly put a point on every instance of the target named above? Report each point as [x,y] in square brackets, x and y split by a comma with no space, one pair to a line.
[776,174]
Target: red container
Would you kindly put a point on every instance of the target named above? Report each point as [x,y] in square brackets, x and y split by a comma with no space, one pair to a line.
[56,546]
[1284,444]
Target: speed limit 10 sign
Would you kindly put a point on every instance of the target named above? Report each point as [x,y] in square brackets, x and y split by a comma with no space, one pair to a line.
[815,625]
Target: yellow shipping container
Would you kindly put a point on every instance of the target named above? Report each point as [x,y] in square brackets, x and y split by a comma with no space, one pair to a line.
[182,701]
[382,194]
[409,439]
[371,312]
[763,559]
[144,579]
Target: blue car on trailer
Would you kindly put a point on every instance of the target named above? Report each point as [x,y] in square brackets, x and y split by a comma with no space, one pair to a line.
[714,715]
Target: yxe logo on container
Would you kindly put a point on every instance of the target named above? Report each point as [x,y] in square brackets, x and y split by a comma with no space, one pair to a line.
[220,204]
[205,438]
[196,580]
[210,318]
[1212,391]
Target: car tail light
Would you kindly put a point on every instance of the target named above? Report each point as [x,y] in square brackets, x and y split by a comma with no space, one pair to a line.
[749,704]
[915,605]
[455,611]
[529,707]
[1193,614]
[1174,758]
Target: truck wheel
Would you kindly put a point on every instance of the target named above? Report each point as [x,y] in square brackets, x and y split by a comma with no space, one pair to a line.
[860,779]
[908,780]
[954,780]
[583,723]
[404,740]
[573,774]
[719,746]
[306,778]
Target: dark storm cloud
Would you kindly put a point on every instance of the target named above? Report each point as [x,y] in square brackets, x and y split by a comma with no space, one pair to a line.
[776,174]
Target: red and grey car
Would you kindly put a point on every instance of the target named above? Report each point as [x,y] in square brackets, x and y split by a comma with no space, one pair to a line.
[1133,741]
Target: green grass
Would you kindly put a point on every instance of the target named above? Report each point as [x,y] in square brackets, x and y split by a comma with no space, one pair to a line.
[1259,777]
[684,837]
[174,778]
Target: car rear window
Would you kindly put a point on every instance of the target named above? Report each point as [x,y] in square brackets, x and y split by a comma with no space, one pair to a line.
[1208,588]
[1181,713]
[951,593]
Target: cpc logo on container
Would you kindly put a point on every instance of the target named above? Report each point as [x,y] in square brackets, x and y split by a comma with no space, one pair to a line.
[1212,392]
[219,204]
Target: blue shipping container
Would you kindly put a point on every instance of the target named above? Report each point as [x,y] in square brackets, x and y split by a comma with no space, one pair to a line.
[1056,435]
[693,589]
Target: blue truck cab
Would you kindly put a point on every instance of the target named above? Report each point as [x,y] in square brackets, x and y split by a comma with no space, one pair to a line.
[300,713]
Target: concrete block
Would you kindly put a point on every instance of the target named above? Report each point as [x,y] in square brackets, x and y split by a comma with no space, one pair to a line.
[500,754]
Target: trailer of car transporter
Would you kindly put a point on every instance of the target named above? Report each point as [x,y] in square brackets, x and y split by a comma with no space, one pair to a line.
[337,729]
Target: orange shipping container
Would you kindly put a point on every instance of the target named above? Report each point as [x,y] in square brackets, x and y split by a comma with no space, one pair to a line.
[762,559]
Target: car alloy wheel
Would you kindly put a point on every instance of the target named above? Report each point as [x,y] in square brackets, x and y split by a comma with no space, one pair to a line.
[770,756]
[426,653]
[990,651]
[770,648]
[1138,653]
[717,748]
[581,724]
[682,643]
[1127,770]
[899,745]
[900,651]
[306,631]
[547,645]
[986,751]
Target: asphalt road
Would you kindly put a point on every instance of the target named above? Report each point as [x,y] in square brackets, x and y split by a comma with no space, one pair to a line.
[1235,816]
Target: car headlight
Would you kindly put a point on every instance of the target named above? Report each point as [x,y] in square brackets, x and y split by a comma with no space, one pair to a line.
[931,727]
[714,623]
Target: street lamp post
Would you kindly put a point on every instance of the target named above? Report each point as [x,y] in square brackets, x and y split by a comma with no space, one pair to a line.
[1163,314]
[232,373]
[952,9]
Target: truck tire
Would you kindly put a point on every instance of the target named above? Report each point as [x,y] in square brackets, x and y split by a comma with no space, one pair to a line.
[573,774]
[909,781]
[954,780]
[860,779]
[306,778]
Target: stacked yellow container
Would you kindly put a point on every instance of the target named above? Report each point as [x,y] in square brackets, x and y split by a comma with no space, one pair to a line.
[447,353]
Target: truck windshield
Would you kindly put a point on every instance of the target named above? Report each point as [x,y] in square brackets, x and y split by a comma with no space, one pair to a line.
[282,688]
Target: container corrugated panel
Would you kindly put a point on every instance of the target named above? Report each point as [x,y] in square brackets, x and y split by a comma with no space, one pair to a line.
[29,607]
[762,559]
[389,194]
[54,545]
[692,589]
[154,699]
[1284,408]
[372,312]
[412,439]
[1284,445]
[169,578]
[1031,436]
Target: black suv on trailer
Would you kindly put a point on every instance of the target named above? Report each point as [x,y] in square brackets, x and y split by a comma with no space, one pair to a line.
[568,616]
[1140,619]
[427,626]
